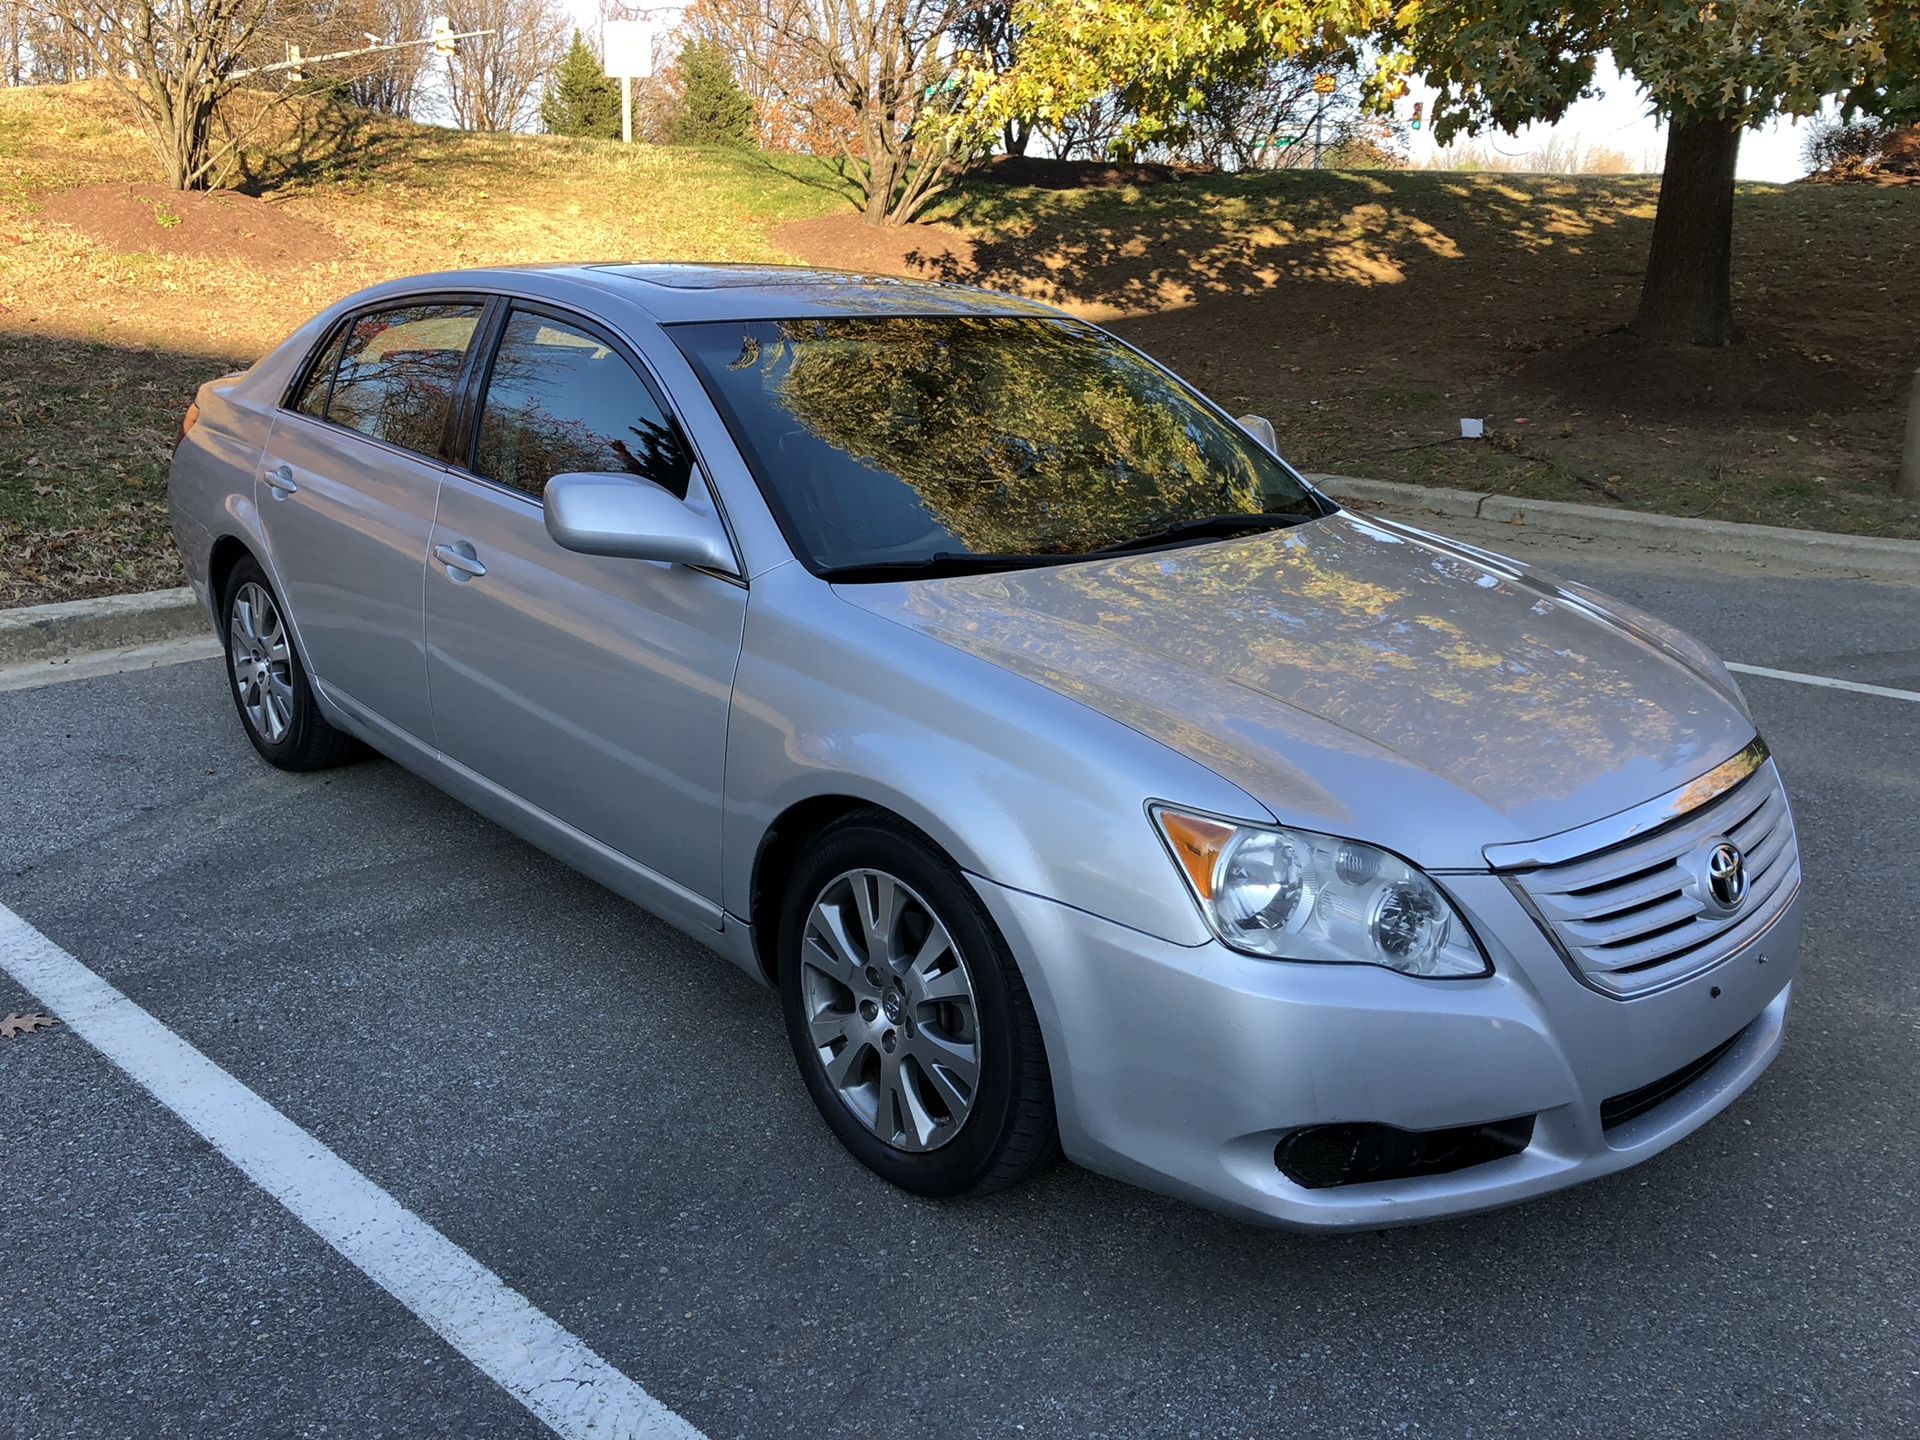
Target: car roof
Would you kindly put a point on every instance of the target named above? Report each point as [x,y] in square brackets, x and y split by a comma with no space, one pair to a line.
[674,292]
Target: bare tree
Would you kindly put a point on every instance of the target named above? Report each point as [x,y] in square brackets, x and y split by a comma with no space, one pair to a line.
[391,83]
[35,46]
[1273,118]
[175,61]
[869,78]
[494,81]
[14,52]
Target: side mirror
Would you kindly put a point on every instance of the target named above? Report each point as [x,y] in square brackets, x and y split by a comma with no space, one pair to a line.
[627,516]
[1261,429]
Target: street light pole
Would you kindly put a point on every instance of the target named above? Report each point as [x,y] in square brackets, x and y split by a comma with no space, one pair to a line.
[297,61]
[1909,485]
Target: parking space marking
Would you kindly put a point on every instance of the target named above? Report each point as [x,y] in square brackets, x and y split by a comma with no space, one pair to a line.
[564,1384]
[1825,681]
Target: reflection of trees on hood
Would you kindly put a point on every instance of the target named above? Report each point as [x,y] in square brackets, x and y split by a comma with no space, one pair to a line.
[1015,435]
[1396,643]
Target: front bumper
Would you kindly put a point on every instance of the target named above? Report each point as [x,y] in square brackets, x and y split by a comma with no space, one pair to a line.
[1181,1068]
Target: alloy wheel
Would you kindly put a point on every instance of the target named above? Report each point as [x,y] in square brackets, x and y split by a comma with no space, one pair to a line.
[890,1010]
[262,662]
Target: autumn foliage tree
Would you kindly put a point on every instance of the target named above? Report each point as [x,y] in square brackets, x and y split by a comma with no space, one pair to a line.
[1156,61]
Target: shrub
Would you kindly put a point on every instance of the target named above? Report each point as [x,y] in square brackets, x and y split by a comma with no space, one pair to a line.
[582,99]
[1845,149]
[713,109]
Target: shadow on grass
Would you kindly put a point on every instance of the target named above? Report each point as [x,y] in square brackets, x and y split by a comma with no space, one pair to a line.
[326,143]
[86,432]
[1146,249]
[831,177]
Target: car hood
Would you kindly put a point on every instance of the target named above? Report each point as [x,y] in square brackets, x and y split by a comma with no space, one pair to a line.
[1360,677]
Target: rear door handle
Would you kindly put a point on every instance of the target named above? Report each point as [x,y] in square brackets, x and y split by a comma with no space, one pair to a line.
[462,565]
[280,480]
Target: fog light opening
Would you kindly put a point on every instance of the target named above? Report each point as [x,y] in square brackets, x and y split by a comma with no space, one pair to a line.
[1320,1157]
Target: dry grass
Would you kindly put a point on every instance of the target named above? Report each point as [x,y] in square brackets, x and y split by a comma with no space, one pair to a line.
[100,350]
[1365,312]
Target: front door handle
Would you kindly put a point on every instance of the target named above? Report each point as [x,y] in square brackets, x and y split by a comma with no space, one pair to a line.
[462,565]
[280,480]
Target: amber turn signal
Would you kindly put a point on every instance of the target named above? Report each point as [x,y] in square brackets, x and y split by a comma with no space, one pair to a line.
[1196,842]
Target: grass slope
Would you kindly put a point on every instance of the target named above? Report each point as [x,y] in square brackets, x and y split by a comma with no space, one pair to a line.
[1364,312]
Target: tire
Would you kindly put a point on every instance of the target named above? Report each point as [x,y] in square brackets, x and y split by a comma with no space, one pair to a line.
[270,691]
[886,1061]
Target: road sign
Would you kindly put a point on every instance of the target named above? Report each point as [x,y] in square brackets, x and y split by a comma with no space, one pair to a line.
[1325,84]
[629,46]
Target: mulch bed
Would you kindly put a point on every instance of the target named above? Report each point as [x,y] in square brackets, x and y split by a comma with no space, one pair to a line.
[846,241]
[223,224]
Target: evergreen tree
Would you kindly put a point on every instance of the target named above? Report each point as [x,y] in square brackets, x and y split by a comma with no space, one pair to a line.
[713,109]
[582,99]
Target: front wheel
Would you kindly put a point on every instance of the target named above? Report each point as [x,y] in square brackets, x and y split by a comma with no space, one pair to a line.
[913,1030]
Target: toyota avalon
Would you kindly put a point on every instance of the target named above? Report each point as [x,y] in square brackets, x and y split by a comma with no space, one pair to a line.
[1080,777]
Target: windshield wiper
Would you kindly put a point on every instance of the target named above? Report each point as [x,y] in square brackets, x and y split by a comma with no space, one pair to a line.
[1208,527]
[941,562]
[964,562]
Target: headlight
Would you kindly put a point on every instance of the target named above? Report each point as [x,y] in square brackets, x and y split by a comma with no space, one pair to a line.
[1294,895]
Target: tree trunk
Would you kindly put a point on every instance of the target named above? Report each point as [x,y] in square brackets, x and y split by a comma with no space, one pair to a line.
[1687,296]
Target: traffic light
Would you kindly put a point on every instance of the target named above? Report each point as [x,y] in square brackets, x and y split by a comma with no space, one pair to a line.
[443,41]
[1417,108]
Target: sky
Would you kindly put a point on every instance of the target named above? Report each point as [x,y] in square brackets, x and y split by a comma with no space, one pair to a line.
[1617,119]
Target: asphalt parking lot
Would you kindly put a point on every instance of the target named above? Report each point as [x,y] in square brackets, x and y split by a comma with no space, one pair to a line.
[606,1118]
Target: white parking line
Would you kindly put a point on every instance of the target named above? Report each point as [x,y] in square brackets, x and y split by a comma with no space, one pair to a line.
[1825,681]
[547,1369]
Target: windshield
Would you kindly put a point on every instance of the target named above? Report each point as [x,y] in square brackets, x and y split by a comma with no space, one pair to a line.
[903,444]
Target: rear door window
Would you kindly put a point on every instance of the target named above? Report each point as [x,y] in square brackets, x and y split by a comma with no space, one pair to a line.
[560,398]
[312,399]
[399,370]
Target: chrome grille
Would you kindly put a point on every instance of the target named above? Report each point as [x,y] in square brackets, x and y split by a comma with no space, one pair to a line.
[1633,918]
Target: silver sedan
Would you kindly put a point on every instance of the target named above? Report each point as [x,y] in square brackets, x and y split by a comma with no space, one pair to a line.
[1080,776]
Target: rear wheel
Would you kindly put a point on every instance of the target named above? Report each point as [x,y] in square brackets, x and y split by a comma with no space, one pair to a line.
[275,702]
[910,1022]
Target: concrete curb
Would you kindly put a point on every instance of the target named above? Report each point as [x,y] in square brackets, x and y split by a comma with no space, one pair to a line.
[1866,554]
[114,622]
[122,622]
